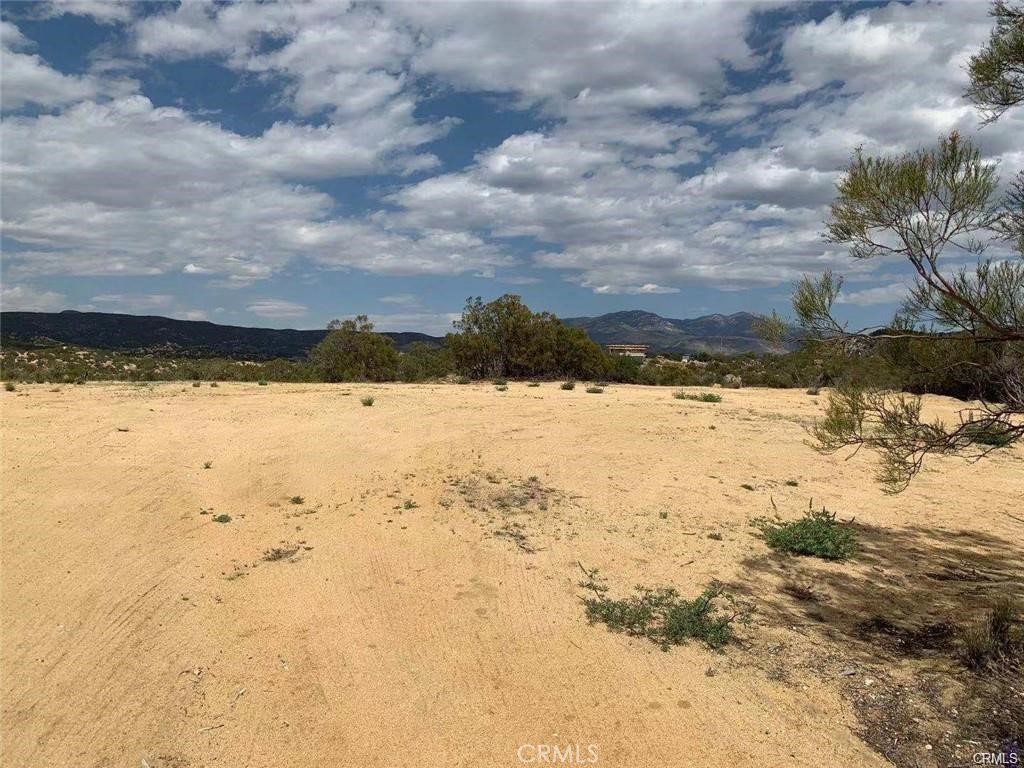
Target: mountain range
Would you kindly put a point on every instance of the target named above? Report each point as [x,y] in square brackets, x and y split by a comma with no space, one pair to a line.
[723,334]
[719,334]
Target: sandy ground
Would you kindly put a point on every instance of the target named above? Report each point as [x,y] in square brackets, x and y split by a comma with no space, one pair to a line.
[404,632]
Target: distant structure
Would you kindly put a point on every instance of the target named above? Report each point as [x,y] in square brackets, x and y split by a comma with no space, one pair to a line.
[628,350]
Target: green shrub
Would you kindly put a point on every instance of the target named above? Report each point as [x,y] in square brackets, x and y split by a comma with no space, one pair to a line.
[367,401]
[703,397]
[463,380]
[988,434]
[222,519]
[196,383]
[501,388]
[662,616]
[569,384]
[499,382]
[533,384]
[817,534]
[9,386]
[595,390]
[297,500]
[213,383]
[814,391]
[262,382]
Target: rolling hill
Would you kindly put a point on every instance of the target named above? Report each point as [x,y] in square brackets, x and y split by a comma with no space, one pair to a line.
[722,334]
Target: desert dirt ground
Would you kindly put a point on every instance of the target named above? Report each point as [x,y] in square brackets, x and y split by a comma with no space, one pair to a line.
[425,607]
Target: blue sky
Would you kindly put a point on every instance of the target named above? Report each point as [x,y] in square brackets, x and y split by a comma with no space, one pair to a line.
[282,164]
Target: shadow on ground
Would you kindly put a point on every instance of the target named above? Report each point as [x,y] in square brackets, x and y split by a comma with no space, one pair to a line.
[889,623]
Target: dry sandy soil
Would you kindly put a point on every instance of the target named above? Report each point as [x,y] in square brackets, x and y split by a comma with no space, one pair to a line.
[406,629]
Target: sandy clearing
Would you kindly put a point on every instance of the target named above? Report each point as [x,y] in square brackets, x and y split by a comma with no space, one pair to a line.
[136,628]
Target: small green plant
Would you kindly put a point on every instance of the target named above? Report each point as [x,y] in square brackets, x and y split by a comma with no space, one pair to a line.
[988,434]
[663,514]
[814,391]
[533,384]
[747,486]
[595,390]
[662,615]
[207,465]
[501,388]
[409,504]
[567,385]
[262,382]
[197,383]
[792,483]
[500,382]
[9,386]
[214,384]
[703,397]
[367,401]
[221,518]
[817,534]
[715,536]
[463,380]
[297,500]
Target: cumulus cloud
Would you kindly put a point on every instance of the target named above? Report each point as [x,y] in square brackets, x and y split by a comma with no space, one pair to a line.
[662,150]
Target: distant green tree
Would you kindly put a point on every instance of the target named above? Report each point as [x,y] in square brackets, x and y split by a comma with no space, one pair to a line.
[997,70]
[503,338]
[352,351]
[422,361]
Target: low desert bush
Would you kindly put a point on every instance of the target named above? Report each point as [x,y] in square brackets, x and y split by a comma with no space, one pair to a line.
[703,397]
[662,615]
[988,434]
[197,383]
[463,380]
[222,519]
[502,388]
[9,386]
[500,382]
[993,639]
[262,382]
[297,500]
[569,384]
[533,384]
[367,401]
[817,534]
[595,390]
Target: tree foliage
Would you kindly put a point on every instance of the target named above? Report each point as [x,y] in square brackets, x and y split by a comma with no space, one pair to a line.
[997,70]
[503,338]
[352,351]
[925,207]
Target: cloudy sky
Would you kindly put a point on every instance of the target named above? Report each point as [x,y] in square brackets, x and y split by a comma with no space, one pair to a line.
[283,164]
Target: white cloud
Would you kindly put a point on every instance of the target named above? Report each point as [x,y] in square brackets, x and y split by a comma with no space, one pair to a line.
[277,309]
[27,79]
[893,293]
[25,298]
[433,323]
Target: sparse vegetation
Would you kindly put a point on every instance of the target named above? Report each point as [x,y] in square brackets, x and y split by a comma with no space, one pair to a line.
[817,534]
[367,401]
[262,382]
[703,397]
[463,380]
[533,384]
[746,486]
[595,390]
[662,615]
[222,518]
[568,385]
[501,388]
[283,552]
[9,386]
[197,383]
[297,500]
[207,464]
[994,639]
